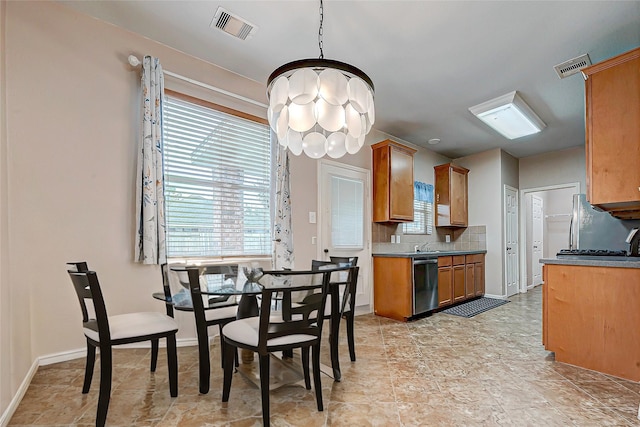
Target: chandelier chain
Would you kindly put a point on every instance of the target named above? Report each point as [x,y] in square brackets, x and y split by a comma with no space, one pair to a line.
[320,31]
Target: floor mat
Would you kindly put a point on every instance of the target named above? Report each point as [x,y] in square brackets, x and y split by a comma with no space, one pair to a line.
[471,308]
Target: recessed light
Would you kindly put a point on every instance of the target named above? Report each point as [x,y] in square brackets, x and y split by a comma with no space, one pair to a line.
[433,141]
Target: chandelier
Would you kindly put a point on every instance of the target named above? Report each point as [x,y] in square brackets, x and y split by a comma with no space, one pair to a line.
[320,106]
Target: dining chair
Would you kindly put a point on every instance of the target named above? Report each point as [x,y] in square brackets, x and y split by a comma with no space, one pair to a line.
[348,296]
[279,332]
[81,266]
[103,331]
[348,307]
[208,311]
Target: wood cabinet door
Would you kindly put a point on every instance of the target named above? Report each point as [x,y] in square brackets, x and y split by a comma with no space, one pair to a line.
[458,283]
[392,287]
[470,281]
[612,92]
[451,196]
[392,182]
[401,191]
[479,278]
[445,286]
[459,215]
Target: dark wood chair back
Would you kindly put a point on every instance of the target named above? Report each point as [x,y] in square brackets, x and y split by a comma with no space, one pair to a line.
[87,288]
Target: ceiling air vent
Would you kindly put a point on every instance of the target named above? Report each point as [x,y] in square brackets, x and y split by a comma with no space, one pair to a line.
[233,24]
[572,66]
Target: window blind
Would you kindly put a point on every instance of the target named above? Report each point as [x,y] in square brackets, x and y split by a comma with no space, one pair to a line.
[422,210]
[217,170]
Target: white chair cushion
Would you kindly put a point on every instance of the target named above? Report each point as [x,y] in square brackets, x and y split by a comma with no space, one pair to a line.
[135,325]
[221,313]
[245,331]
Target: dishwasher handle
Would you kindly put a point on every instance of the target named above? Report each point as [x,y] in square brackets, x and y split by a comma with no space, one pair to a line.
[425,261]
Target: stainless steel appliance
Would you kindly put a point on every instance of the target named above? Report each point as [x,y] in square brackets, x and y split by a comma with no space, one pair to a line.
[425,285]
[593,229]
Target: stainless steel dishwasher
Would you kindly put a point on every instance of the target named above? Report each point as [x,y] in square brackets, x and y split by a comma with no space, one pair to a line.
[425,285]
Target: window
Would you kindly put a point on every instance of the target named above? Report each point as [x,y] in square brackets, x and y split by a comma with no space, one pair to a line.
[347,229]
[422,210]
[217,180]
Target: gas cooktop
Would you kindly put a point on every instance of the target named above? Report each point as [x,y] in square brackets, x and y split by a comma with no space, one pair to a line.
[590,252]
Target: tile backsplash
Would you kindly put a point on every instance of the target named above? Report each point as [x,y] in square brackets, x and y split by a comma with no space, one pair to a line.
[471,238]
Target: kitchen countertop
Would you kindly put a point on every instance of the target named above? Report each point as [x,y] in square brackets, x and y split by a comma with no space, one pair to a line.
[428,254]
[595,261]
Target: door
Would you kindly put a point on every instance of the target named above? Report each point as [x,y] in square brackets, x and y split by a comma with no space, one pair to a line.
[537,224]
[511,273]
[344,223]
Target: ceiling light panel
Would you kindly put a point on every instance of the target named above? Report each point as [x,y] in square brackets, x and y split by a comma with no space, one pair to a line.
[509,115]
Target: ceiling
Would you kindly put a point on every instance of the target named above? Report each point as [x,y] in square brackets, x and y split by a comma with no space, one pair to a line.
[429,60]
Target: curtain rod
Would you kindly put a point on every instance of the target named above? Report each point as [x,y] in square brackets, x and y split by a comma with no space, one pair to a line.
[134,62]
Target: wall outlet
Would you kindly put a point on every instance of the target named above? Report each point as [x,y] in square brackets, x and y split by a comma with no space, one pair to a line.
[393,238]
[447,238]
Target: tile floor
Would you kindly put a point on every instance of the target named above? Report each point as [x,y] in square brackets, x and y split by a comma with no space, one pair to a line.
[439,371]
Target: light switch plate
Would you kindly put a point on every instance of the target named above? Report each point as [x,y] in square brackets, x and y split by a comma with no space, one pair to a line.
[312,217]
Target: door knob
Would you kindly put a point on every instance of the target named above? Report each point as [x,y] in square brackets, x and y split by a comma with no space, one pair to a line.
[326,251]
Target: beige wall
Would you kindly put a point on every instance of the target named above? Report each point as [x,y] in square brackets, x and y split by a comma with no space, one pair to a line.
[67,175]
[558,167]
[485,208]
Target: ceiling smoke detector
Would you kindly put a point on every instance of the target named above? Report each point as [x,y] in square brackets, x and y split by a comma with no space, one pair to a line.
[572,66]
[232,24]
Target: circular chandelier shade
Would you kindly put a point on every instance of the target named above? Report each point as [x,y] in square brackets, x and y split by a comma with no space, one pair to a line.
[320,106]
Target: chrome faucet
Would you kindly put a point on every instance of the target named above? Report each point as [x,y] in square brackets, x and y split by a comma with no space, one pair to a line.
[423,247]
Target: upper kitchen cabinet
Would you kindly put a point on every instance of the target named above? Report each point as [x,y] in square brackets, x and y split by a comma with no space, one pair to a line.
[392,182]
[451,196]
[612,90]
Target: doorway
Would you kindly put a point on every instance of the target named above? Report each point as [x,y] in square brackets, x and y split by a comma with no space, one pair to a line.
[555,217]
[537,238]
[511,245]
[344,221]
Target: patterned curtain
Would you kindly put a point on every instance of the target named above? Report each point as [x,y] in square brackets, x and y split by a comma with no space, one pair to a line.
[423,192]
[282,232]
[150,219]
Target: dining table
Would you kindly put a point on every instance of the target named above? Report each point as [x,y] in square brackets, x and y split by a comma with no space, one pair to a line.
[255,279]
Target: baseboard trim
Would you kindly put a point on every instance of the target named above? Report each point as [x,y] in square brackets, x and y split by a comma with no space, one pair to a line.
[64,357]
[495,296]
[13,405]
[82,352]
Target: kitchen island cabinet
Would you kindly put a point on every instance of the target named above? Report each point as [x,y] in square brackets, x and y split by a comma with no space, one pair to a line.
[590,315]
[612,97]
[392,182]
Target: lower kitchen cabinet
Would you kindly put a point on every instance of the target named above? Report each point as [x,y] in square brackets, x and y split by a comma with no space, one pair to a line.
[459,273]
[470,280]
[392,287]
[460,277]
[445,281]
[477,261]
